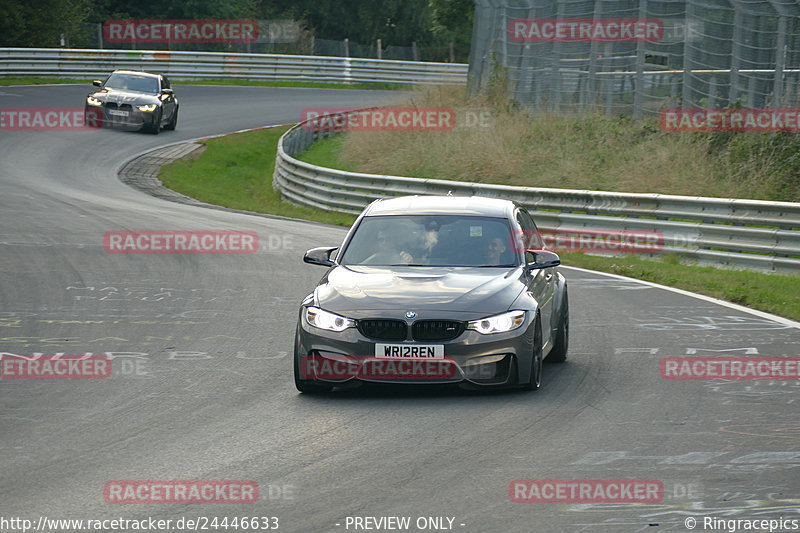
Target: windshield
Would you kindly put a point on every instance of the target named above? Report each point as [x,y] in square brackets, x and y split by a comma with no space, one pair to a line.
[425,240]
[132,82]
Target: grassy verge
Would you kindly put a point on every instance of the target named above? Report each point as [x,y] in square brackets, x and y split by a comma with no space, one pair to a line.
[31,80]
[615,154]
[236,171]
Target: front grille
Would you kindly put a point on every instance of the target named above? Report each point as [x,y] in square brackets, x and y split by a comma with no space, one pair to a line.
[436,330]
[121,107]
[385,330]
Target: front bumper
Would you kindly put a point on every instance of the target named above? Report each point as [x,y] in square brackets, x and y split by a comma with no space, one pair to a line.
[472,360]
[100,117]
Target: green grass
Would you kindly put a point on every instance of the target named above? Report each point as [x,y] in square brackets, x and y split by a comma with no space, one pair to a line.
[309,84]
[236,171]
[325,153]
[32,80]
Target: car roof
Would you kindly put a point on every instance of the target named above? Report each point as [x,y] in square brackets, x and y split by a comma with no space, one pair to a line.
[137,72]
[441,205]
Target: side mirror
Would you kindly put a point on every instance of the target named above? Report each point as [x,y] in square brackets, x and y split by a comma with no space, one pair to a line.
[97,83]
[167,91]
[320,256]
[542,259]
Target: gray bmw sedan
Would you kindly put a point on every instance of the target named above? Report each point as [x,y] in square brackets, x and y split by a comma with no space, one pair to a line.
[433,289]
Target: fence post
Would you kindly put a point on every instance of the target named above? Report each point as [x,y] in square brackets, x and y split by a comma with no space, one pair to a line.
[346,47]
[638,91]
[736,52]
[686,90]
[780,62]
[380,50]
[592,84]
[414,51]
[556,83]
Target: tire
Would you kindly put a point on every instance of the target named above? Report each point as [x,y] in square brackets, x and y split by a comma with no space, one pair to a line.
[536,361]
[559,352]
[173,122]
[305,386]
[156,128]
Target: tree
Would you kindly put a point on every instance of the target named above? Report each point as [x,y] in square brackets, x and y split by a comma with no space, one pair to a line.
[43,22]
[452,19]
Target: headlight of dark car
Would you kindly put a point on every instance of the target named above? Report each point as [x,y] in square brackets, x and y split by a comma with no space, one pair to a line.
[319,318]
[92,101]
[147,108]
[501,323]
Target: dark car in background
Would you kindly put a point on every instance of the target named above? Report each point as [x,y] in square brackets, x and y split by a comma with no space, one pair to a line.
[433,289]
[132,100]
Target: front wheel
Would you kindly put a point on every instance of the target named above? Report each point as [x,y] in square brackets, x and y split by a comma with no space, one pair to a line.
[173,122]
[559,352]
[306,386]
[156,128]
[536,361]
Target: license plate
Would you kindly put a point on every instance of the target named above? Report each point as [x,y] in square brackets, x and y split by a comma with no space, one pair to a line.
[409,351]
[117,113]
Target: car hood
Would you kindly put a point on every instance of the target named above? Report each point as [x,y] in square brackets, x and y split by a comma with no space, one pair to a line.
[125,97]
[482,291]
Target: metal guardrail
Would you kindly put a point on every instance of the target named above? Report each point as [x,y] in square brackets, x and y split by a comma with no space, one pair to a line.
[87,63]
[722,232]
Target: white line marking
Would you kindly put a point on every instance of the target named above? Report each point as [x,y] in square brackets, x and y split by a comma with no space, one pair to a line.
[743,309]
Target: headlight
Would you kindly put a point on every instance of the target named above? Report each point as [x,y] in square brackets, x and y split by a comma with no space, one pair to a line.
[147,108]
[325,320]
[91,100]
[498,323]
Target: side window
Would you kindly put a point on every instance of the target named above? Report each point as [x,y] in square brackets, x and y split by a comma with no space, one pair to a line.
[165,83]
[530,234]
